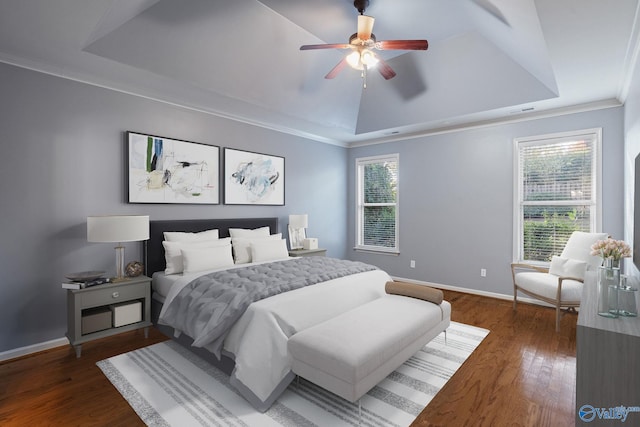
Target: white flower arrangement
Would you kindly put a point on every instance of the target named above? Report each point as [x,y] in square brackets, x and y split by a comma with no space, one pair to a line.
[611,248]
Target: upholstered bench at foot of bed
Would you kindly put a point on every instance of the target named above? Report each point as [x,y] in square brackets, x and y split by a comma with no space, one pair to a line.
[349,354]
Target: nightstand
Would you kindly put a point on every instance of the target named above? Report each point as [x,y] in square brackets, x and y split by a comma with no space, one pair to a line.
[307,252]
[90,311]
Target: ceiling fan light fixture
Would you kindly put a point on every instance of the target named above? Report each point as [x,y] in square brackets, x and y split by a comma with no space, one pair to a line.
[368,58]
[359,58]
[353,59]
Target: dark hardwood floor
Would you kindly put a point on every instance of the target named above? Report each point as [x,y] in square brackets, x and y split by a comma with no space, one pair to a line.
[53,388]
[523,374]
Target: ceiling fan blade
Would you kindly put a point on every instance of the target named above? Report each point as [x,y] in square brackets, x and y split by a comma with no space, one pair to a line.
[365,27]
[384,69]
[326,46]
[334,72]
[402,45]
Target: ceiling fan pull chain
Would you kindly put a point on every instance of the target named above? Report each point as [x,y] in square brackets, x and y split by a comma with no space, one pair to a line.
[364,76]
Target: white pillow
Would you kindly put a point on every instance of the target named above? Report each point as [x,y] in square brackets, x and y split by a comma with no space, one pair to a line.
[269,250]
[242,246]
[246,232]
[567,267]
[173,252]
[180,236]
[207,258]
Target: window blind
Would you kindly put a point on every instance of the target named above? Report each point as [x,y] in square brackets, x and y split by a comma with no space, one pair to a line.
[557,193]
[557,171]
[377,203]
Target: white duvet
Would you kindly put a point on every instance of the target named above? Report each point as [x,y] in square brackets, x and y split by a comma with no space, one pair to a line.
[258,340]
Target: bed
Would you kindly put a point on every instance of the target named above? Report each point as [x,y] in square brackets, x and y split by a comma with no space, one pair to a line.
[254,351]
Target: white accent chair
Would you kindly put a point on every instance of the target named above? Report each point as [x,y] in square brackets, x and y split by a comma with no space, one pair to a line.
[561,284]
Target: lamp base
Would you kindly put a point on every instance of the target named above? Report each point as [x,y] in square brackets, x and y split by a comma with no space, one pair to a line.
[119,264]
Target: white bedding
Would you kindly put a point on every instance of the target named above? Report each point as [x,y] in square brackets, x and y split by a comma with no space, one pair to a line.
[162,283]
[258,340]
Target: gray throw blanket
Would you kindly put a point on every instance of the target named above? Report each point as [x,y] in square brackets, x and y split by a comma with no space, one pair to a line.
[208,307]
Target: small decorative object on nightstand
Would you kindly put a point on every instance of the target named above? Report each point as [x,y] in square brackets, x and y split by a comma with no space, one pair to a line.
[134,269]
[308,252]
[297,224]
[108,309]
[310,243]
[85,276]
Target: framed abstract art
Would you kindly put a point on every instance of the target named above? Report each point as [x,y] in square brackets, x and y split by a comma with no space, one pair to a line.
[253,178]
[164,170]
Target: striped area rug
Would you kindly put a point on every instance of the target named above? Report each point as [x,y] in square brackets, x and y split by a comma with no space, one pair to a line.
[169,386]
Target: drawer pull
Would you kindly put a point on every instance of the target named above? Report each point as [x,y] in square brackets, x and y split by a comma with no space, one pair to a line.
[115,294]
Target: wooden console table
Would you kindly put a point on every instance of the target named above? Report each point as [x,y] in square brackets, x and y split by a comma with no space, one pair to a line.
[607,363]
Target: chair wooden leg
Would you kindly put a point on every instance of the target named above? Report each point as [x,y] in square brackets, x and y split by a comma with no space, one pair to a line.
[515,297]
[558,313]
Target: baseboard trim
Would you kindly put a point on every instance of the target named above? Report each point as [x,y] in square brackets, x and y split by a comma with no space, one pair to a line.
[475,292]
[34,348]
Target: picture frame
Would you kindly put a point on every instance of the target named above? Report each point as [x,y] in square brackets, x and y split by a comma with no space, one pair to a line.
[253,178]
[166,170]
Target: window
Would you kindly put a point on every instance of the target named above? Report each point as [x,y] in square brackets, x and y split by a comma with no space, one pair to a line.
[377,203]
[557,191]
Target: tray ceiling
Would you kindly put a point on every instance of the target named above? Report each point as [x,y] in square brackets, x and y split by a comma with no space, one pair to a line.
[487,59]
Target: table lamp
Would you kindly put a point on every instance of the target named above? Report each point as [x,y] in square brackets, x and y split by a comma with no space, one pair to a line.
[118,229]
[297,224]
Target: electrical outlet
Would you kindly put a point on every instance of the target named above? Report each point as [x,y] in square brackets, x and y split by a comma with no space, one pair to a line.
[483,272]
[413,263]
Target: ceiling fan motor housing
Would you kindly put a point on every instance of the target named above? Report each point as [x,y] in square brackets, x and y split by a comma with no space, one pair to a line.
[354,38]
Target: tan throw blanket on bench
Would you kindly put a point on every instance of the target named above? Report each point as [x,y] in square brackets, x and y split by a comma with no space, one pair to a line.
[415,291]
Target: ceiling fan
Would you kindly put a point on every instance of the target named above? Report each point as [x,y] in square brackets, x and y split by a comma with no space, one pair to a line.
[362,43]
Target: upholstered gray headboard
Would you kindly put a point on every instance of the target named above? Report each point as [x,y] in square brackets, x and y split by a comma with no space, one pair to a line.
[154,251]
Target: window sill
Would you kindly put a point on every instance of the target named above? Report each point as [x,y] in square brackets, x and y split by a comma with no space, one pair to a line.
[392,252]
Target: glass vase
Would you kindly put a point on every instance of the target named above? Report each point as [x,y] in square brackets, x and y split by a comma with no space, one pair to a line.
[608,284]
[627,299]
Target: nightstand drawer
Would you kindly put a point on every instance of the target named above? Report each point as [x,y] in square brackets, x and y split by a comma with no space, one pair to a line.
[112,295]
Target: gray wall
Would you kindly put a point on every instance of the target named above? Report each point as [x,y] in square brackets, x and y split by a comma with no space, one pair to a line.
[63,159]
[456,199]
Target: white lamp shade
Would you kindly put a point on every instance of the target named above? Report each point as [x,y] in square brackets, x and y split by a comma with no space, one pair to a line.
[117,228]
[299,221]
